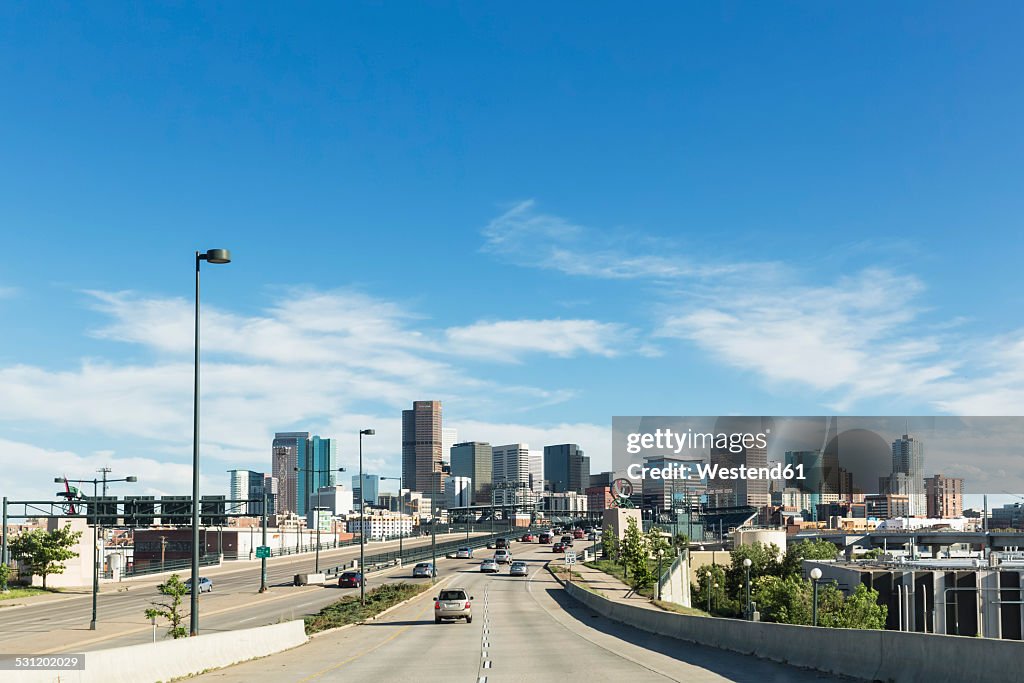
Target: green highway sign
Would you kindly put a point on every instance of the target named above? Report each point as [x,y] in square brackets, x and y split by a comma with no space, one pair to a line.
[263,551]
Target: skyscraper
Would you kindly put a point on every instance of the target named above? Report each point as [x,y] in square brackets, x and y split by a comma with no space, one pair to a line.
[945,496]
[474,459]
[566,468]
[908,458]
[368,490]
[272,490]
[537,471]
[246,485]
[289,452]
[449,437]
[510,472]
[753,492]
[421,447]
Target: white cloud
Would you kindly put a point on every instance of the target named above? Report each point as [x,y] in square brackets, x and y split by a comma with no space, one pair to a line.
[594,439]
[8,292]
[507,340]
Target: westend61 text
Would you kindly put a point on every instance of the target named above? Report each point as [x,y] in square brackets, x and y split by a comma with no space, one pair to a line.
[706,471]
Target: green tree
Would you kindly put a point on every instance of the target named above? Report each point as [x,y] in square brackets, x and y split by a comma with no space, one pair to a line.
[680,543]
[5,574]
[634,556]
[711,578]
[858,610]
[610,544]
[45,552]
[818,549]
[175,589]
[764,562]
[783,600]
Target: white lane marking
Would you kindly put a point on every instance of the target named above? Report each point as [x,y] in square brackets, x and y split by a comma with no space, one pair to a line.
[487,664]
[482,679]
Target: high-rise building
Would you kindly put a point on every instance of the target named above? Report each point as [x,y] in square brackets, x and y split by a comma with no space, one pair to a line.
[289,452]
[945,497]
[908,458]
[368,491]
[272,490]
[246,485]
[741,491]
[474,459]
[320,469]
[449,437]
[458,492]
[421,447]
[807,495]
[537,471]
[510,472]
[566,468]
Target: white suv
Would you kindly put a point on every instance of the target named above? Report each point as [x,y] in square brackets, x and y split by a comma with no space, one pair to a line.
[502,556]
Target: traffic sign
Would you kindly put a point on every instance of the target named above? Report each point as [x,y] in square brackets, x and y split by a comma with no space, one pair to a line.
[570,558]
[263,551]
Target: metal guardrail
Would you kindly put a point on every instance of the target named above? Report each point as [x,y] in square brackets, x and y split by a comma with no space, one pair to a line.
[160,567]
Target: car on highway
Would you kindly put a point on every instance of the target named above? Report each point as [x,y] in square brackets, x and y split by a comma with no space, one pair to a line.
[501,543]
[464,553]
[527,538]
[546,537]
[558,547]
[205,585]
[518,569]
[350,579]
[591,536]
[578,533]
[423,569]
[453,603]
[503,556]
[489,566]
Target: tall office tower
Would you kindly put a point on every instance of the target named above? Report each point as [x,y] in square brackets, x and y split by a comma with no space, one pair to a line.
[537,471]
[566,468]
[271,488]
[458,492]
[805,495]
[321,464]
[246,485]
[474,459]
[945,497]
[673,493]
[510,472]
[745,491]
[449,437]
[908,457]
[421,447]
[289,452]
[368,491]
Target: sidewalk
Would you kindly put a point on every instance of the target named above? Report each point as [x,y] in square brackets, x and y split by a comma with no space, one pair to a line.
[609,586]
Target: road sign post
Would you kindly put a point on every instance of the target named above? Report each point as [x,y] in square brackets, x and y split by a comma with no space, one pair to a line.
[262,551]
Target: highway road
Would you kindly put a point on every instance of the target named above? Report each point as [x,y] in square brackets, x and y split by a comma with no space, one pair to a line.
[62,625]
[524,629]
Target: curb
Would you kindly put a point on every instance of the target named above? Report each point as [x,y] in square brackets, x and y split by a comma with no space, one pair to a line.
[379,615]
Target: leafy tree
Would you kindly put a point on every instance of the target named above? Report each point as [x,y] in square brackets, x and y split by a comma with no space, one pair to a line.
[708,577]
[764,562]
[175,589]
[858,610]
[45,552]
[610,544]
[634,556]
[818,549]
[872,554]
[5,574]
[680,543]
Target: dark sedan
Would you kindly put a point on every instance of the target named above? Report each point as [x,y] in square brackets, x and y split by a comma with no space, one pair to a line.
[350,580]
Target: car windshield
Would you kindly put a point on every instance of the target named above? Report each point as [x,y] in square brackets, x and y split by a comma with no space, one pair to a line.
[423,565]
[453,595]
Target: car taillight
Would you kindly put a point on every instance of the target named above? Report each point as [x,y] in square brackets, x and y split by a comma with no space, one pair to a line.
[437,605]
[468,605]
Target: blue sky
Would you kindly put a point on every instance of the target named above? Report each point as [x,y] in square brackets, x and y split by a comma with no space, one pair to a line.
[544,216]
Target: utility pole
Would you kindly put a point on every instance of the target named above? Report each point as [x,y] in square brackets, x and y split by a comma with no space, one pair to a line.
[263,560]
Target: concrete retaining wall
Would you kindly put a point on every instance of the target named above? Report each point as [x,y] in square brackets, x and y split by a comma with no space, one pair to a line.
[169,659]
[870,655]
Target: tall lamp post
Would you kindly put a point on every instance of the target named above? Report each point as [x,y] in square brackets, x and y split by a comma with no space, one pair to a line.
[815,577]
[362,517]
[746,566]
[215,256]
[316,511]
[661,552]
[96,559]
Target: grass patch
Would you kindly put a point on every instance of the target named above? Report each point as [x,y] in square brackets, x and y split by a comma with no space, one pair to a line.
[678,609]
[15,593]
[614,569]
[349,611]
[562,572]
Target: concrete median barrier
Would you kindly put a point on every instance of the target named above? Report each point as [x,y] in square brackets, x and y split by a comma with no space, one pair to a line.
[168,659]
[867,655]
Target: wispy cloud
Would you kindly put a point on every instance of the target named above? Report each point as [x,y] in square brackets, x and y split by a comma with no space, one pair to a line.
[509,340]
[528,237]
[8,292]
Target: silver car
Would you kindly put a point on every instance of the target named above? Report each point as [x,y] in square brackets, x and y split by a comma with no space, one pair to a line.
[423,569]
[518,569]
[453,603]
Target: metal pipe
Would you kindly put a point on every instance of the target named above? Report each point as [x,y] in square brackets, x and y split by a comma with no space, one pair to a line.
[194,615]
[263,560]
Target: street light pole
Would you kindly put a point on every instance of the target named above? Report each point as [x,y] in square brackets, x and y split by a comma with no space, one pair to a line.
[746,565]
[815,576]
[362,517]
[263,560]
[215,256]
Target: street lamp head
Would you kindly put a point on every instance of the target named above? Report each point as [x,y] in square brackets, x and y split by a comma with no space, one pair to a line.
[747,562]
[216,256]
[367,432]
[131,479]
[815,573]
[59,480]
